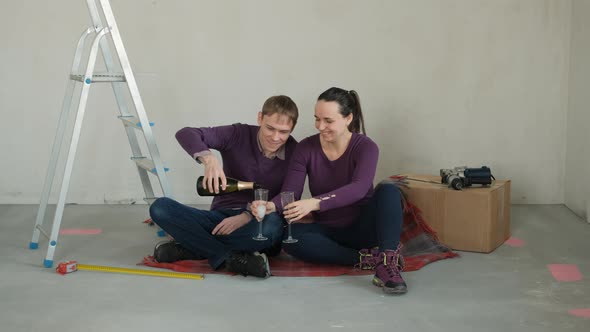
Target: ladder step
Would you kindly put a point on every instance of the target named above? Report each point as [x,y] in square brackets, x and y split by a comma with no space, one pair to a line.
[132,121]
[147,164]
[99,77]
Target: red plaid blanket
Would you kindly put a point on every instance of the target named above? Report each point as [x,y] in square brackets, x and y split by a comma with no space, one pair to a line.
[421,246]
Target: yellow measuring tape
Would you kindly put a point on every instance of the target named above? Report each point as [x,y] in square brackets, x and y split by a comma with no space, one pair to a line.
[140,272]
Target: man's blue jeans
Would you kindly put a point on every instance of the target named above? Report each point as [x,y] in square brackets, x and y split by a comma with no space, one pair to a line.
[192,228]
[379,224]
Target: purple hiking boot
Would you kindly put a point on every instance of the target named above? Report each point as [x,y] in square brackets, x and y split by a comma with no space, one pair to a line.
[389,266]
[368,259]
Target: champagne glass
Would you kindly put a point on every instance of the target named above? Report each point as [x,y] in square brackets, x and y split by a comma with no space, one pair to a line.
[288,197]
[260,196]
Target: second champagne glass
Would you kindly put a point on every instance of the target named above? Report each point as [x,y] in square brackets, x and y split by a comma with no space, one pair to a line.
[261,196]
[288,197]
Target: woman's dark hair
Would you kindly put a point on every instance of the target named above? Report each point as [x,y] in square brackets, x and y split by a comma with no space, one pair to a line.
[349,102]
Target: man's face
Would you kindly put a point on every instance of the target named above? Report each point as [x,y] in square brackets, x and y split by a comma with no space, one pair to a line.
[274,131]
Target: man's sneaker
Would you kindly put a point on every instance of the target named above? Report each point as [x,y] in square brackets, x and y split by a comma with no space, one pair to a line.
[388,273]
[172,251]
[273,250]
[245,263]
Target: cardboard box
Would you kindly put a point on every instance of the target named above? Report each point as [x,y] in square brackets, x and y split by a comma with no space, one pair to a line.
[473,219]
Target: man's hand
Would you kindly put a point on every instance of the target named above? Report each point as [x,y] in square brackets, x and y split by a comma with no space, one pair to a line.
[297,210]
[270,208]
[230,224]
[213,171]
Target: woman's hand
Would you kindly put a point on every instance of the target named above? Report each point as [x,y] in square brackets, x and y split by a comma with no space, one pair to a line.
[299,209]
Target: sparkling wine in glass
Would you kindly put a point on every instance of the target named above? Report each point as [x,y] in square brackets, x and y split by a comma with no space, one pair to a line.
[288,197]
[261,197]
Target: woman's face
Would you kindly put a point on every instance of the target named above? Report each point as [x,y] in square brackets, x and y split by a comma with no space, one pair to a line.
[329,122]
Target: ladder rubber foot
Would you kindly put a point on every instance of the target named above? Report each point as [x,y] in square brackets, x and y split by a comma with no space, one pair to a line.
[48,263]
[161,233]
[33,245]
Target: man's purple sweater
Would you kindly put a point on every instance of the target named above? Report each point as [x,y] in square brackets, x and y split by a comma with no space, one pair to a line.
[242,159]
[342,185]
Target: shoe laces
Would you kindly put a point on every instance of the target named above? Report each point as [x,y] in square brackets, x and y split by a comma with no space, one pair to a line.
[368,259]
[240,263]
[240,258]
[391,263]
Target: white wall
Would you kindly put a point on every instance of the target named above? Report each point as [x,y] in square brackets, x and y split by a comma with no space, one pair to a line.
[577,180]
[443,83]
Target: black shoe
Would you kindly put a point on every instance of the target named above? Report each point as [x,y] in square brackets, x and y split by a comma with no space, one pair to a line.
[245,263]
[272,251]
[172,251]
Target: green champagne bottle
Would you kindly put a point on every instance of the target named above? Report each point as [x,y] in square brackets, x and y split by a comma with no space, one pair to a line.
[233,185]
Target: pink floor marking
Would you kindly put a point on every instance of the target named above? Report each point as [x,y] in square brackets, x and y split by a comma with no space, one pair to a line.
[565,272]
[514,242]
[582,312]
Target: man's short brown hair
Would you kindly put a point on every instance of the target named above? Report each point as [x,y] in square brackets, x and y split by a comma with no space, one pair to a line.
[282,105]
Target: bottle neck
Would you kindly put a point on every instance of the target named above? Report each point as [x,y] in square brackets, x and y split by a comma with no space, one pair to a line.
[245,185]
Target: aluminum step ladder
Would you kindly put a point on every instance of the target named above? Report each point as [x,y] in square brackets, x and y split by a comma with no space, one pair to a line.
[119,76]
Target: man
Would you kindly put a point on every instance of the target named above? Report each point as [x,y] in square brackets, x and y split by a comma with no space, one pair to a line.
[224,233]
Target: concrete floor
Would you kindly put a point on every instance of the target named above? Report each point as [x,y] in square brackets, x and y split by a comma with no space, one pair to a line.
[510,289]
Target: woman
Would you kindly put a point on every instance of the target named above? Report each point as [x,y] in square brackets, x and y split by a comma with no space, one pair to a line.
[348,214]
